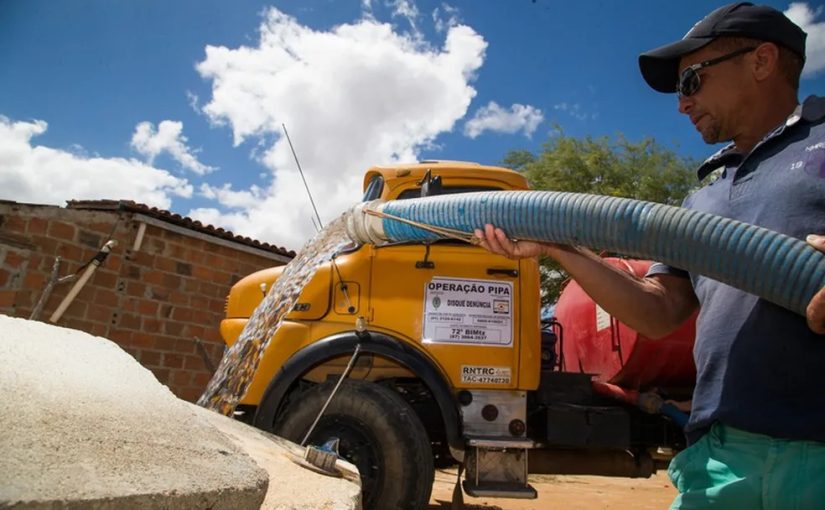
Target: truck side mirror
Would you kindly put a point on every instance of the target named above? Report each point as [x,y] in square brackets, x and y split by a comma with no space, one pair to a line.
[430,186]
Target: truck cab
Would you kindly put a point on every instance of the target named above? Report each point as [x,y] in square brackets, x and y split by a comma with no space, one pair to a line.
[454,364]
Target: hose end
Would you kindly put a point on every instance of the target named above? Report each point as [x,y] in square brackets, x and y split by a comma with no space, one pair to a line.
[364,228]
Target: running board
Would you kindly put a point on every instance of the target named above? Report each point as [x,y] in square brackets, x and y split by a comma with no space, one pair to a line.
[497,468]
[499,490]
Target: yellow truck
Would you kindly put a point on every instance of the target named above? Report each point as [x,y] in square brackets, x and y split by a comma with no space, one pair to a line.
[455,364]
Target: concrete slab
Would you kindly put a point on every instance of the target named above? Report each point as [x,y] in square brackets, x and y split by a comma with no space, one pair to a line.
[85,426]
[290,487]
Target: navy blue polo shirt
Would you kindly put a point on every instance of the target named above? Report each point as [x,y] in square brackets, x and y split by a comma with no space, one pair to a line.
[759,367]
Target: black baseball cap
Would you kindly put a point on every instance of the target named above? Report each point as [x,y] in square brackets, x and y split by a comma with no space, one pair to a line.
[660,67]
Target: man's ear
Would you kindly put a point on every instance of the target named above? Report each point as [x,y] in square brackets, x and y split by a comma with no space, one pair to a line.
[765,61]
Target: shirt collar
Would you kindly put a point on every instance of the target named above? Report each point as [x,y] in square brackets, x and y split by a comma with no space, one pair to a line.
[811,110]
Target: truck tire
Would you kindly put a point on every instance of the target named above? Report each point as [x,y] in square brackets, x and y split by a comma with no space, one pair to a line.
[379,433]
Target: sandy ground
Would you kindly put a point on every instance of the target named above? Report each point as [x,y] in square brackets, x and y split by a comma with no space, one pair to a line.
[568,493]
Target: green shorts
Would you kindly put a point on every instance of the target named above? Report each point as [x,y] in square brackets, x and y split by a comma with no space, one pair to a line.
[732,469]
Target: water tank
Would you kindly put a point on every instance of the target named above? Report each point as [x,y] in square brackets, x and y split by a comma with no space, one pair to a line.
[594,342]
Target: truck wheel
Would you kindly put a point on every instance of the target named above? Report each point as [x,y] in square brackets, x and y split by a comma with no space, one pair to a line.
[378,432]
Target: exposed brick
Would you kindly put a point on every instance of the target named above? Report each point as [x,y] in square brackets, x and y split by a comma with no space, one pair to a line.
[72,253]
[13,224]
[202,317]
[99,313]
[185,346]
[154,245]
[173,328]
[114,262]
[182,314]
[135,289]
[90,239]
[165,264]
[77,309]
[32,281]
[37,226]
[102,295]
[143,259]
[190,286]
[142,340]
[216,306]
[178,299]
[194,330]
[199,302]
[171,281]
[172,360]
[133,271]
[150,358]
[177,251]
[201,379]
[189,394]
[153,277]
[13,259]
[151,325]
[129,321]
[166,311]
[181,378]
[196,257]
[162,374]
[5,277]
[128,305]
[99,330]
[101,227]
[105,279]
[184,269]
[7,298]
[164,343]
[148,308]
[62,230]
[159,293]
[121,337]
[212,260]
[193,363]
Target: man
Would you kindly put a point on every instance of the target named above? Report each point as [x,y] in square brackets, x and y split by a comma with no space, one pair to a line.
[757,426]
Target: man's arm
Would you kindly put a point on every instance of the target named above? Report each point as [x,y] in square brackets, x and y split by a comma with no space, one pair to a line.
[654,306]
[815,312]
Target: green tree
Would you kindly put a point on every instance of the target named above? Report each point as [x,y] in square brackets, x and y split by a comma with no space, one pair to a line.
[616,167]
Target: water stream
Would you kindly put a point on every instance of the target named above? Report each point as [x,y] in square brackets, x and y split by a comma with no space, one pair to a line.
[234,374]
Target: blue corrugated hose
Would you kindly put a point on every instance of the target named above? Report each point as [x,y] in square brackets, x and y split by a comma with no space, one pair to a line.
[776,267]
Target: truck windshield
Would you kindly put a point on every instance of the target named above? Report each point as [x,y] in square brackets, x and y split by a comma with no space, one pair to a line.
[446,190]
[374,188]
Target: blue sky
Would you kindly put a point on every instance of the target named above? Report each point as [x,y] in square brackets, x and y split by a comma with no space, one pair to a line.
[179,104]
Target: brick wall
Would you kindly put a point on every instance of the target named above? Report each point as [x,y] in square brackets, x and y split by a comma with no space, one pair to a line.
[154,301]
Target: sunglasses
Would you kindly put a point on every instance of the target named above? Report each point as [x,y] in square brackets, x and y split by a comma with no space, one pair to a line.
[689,81]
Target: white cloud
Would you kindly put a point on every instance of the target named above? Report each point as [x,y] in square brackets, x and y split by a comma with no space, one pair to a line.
[358,95]
[168,138]
[802,15]
[495,118]
[228,197]
[445,17]
[38,174]
[574,110]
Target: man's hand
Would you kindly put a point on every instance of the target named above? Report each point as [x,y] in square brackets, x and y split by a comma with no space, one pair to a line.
[815,312]
[496,241]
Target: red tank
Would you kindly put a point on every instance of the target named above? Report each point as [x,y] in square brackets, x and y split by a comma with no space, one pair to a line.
[595,343]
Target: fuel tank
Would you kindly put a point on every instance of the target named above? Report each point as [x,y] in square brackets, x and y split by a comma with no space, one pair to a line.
[594,342]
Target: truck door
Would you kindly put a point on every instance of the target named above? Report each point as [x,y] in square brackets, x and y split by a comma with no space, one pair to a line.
[460,304]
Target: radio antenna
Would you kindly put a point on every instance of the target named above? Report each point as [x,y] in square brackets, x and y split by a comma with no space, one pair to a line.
[311,201]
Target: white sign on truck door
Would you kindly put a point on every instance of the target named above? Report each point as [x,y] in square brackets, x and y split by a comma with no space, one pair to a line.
[465,311]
